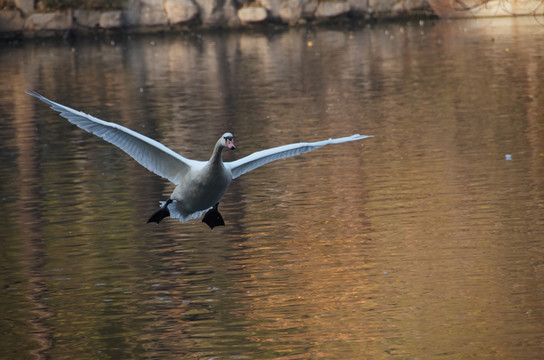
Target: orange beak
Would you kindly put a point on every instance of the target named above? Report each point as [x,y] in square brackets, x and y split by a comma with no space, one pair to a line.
[230,144]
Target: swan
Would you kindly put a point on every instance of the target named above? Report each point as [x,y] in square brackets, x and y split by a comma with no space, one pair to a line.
[200,185]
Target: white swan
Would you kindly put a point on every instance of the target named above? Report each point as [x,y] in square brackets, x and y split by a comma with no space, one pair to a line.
[199,184]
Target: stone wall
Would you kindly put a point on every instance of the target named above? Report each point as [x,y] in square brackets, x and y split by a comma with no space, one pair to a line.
[152,15]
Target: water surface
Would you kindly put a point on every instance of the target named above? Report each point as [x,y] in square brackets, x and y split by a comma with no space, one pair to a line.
[424,242]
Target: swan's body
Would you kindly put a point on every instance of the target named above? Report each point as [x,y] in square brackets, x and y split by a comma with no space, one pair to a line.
[200,185]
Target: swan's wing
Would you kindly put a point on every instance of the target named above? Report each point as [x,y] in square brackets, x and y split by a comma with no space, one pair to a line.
[260,158]
[151,154]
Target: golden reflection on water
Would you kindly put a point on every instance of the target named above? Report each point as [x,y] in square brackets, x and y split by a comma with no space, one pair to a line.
[423,242]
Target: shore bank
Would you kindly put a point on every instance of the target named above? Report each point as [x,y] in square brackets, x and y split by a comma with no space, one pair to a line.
[43,18]
[27,18]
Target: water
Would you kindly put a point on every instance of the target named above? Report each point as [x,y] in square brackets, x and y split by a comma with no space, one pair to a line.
[424,242]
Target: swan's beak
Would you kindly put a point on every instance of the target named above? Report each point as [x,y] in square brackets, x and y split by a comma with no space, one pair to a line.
[230,144]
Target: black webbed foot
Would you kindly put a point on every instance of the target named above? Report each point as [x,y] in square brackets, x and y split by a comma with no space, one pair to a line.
[161,213]
[213,218]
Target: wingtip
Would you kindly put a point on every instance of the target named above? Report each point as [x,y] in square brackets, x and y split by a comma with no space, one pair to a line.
[34,93]
[359,136]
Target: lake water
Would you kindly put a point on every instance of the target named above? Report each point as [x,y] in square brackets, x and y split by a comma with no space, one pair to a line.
[424,242]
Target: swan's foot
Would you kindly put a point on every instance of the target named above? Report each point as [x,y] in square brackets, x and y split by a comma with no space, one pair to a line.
[161,213]
[213,218]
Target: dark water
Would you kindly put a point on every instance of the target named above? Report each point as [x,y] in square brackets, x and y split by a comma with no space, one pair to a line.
[425,242]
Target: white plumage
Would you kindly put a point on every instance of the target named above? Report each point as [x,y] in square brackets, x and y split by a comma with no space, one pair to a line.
[199,184]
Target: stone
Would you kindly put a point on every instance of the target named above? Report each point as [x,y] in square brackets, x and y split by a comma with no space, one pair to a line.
[208,10]
[152,13]
[380,6]
[179,11]
[152,17]
[398,8]
[359,6]
[415,5]
[87,18]
[131,12]
[111,19]
[230,13]
[252,14]
[217,13]
[11,20]
[308,8]
[61,20]
[330,9]
[26,6]
[290,11]
[273,8]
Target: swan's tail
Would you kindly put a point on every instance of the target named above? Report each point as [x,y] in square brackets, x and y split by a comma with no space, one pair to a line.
[173,209]
[161,213]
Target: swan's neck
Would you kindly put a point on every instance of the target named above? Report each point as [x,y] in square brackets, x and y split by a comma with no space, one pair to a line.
[216,156]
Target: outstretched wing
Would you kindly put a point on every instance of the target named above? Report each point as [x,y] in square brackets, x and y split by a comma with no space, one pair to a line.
[151,154]
[260,158]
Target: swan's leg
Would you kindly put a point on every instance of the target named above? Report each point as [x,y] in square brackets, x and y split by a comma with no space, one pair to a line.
[161,213]
[213,218]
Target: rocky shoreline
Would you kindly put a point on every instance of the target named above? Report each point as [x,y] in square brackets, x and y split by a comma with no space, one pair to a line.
[160,15]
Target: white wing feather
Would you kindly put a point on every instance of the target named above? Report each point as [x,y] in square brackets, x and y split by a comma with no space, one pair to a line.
[260,158]
[151,154]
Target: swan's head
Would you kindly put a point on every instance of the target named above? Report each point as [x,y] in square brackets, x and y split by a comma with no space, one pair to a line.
[227,141]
